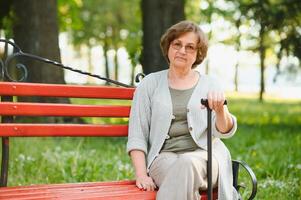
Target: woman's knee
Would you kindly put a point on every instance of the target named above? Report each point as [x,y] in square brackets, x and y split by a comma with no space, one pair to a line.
[191,163]
[161,167]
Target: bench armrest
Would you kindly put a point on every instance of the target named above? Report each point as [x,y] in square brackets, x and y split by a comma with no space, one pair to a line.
[235,168]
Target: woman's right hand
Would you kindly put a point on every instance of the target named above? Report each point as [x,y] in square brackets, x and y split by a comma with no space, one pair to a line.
[145,182]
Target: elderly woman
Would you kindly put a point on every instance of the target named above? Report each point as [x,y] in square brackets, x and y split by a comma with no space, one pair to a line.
[167,127]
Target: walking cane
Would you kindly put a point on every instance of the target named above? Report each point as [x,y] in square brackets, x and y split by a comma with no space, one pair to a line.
[209,147]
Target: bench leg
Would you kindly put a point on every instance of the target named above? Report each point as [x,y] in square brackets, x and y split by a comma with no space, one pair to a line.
[4,163]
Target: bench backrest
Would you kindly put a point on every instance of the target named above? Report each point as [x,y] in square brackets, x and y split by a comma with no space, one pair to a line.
[59,109]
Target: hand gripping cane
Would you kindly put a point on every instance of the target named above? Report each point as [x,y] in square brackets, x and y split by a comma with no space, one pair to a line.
[209,147]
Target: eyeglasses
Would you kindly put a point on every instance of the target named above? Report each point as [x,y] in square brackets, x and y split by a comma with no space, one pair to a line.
[177,45]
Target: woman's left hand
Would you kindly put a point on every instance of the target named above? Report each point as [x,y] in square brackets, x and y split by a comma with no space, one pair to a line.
[216,101]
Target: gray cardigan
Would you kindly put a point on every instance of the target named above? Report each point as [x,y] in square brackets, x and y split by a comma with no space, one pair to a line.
[151,116]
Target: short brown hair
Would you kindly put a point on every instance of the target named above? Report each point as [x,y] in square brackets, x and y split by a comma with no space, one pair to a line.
[179,29]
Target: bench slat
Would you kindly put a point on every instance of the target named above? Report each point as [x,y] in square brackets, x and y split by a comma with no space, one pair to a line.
[71,194]
[53,130]
[60,90]
[77,191]
[47,109]
[67,185]
[94,190]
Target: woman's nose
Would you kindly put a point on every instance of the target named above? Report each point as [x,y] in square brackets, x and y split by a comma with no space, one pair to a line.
[182,50]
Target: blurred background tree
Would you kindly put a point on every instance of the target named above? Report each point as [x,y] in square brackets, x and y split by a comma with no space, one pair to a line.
[273,21]
[34,27]
[35,30]
[5,19]
[268,28]
[110,24]
[157,16]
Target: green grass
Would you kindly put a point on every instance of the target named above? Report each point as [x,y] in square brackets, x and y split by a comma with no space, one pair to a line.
[268,139]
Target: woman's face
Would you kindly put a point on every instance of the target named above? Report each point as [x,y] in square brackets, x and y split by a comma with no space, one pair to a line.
[183,50]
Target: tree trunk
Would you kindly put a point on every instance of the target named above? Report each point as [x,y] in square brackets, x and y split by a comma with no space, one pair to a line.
[35,30]
[262,59]
[209,36]
[238,47]
[90,65]
[105,52]
[116,64]
[279,56]
[157,16]
[207,66]
[133,74]
[236,76]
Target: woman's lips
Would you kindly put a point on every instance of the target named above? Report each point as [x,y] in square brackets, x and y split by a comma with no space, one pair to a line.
[180,58]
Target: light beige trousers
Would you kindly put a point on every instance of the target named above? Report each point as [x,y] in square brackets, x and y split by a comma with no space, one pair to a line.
[182,176]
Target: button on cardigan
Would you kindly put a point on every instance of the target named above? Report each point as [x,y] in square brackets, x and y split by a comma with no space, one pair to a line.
[151,116]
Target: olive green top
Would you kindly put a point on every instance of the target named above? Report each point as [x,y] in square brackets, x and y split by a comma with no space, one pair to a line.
[179,139]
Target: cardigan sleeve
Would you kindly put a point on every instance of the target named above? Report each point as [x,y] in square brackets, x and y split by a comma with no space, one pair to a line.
[139,120]
[229,134]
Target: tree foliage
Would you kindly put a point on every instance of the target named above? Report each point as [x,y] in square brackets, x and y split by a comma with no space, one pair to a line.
[274,27]
[109,23]
[6,16]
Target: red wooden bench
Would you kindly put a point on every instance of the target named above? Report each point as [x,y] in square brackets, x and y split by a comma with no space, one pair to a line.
[92,190]
[9,108]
